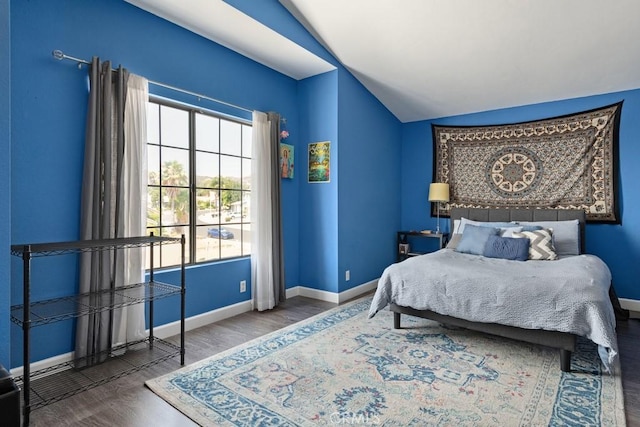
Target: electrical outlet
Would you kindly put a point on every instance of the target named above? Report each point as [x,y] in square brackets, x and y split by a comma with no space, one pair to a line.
[347,275]
[243,286]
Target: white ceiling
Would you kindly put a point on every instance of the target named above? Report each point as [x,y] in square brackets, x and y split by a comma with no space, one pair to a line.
[433,58]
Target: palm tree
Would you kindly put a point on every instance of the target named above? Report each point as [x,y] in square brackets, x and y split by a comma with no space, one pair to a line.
[173,176]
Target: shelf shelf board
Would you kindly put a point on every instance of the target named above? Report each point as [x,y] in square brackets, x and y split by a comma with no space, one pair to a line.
[68,307]
[60,248]
[67,379]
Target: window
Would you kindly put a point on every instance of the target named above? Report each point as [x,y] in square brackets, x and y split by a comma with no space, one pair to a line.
[199,182]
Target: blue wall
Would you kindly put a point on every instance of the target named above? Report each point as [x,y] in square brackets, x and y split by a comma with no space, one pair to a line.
[48,113]
[617,245]
[369,191]
[327,227]
[350,222]
[318,202]
[5,179]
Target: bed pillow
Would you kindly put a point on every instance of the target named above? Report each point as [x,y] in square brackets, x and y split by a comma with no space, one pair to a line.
[540,244]
[474,238]
[529,227]
[453,242]
[460,224]
[508,231]
[516,249]
[566,235]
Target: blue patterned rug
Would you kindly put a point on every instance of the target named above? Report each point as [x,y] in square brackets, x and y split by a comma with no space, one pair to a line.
[341,368]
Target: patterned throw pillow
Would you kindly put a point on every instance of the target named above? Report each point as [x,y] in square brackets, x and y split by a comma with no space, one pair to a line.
[540,244]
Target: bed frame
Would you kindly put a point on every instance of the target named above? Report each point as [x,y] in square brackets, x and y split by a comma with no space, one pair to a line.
[563,341]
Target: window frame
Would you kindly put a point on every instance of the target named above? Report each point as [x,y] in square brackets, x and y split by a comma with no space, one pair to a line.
[192,186]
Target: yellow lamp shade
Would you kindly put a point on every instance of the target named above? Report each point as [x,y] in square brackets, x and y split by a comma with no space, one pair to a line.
[438,192]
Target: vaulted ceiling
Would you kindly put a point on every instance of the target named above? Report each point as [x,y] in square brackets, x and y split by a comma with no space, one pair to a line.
[432,58]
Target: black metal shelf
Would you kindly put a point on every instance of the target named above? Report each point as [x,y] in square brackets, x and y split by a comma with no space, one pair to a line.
[61,248]
[58,382]
[68,307]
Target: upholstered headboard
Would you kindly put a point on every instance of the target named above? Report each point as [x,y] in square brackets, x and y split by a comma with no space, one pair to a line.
[508,215]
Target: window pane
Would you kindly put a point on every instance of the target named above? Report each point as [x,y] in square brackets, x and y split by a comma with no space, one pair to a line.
[247,132]
[153,164]
[246,206]
[230,142]
[207,247]
[207,133]
[207,206]
[168,215]
[175,167]
[207,170]
[175,204]
[231,246]
[153,123]
[246,239]
[246,174]
[153,207]
[230,174]
[174,127]
[166,255]
[232,205]
[170,254]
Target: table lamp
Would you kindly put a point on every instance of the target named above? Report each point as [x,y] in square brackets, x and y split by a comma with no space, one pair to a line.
[438,192]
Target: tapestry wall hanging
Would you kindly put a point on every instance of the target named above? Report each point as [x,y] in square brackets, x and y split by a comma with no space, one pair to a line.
[567,162]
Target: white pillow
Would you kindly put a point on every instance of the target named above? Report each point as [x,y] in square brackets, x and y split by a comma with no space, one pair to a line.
[508,231]
[458,224]
[566,235]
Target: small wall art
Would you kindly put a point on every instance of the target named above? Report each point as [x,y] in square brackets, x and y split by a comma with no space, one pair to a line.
[319,162]
[286,161]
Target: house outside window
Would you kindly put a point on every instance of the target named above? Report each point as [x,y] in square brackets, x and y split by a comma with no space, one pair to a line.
[199,182]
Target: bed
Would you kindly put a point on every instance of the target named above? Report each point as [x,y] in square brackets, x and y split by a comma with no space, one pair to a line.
[548,303]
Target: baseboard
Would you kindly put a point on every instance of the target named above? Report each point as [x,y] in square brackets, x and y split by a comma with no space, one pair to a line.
[44,363]
[193,322]
[333,297]
[163,331]
[633,305]
[357,291]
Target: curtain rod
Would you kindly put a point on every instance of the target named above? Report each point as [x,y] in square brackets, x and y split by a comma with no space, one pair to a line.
[58,54]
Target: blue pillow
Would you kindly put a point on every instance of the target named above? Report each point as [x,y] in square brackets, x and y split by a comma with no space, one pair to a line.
[474,239]
[516,249]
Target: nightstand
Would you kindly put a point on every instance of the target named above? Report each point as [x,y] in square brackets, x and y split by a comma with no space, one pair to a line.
[412,243]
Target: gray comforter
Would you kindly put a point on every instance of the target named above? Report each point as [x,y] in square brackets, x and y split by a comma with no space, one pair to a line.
[570,294]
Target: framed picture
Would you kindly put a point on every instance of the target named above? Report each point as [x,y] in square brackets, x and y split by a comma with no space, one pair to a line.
[286,161]
[403,248]
[320,162]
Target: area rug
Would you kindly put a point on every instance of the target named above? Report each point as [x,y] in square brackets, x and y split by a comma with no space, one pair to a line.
[568,162]
[341,368]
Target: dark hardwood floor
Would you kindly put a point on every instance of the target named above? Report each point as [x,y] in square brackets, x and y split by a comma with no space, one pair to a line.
[127,402]
[628,341]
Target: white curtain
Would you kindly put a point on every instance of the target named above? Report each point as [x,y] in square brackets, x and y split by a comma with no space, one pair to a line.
[129,322]
[267,266]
